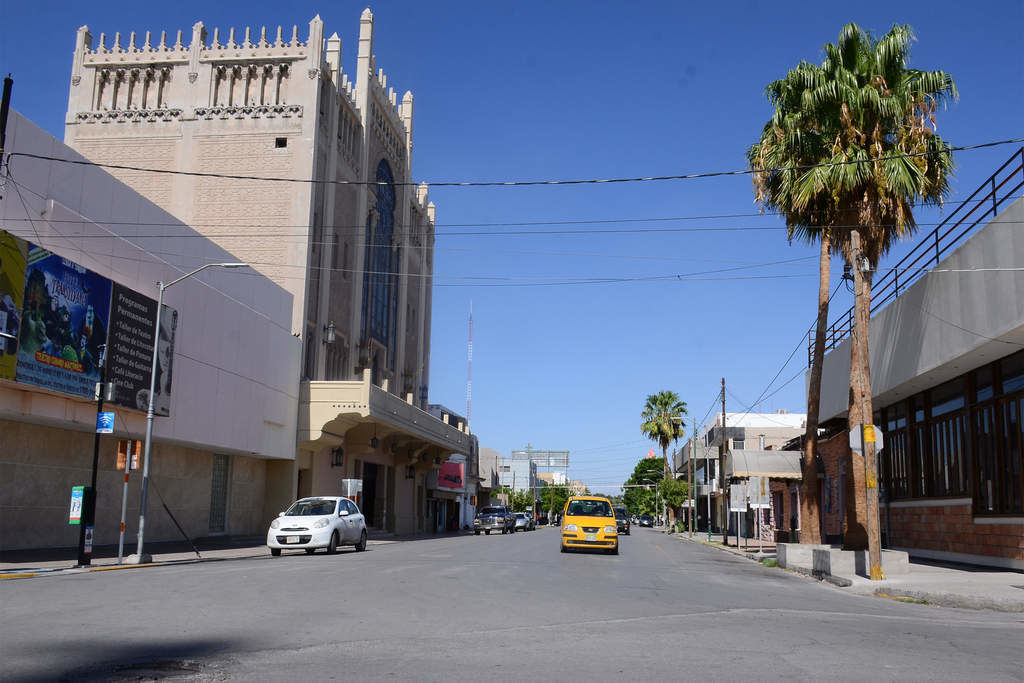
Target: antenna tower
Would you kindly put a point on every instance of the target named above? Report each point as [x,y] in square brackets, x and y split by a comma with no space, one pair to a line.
[469,366]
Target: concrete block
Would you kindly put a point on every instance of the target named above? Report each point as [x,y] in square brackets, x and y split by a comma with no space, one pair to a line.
[797,555]
[894,563]
[830,561]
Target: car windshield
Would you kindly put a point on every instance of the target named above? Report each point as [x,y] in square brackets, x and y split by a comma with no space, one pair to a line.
[311,507]
[589,508]
[620,512]
[492,511]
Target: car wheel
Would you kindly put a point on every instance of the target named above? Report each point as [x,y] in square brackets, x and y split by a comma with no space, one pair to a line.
[564,549]
[276,552]
[487,532]
[504,531]
[476,533]
[614,551]
[361,545]
[332,547]
[310,551]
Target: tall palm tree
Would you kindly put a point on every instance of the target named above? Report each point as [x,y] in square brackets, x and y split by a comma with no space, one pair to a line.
[795,139]
[663,421]
[876,118]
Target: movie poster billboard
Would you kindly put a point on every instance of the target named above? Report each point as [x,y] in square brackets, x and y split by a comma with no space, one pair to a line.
[63,324]
[130,350]
[13,258]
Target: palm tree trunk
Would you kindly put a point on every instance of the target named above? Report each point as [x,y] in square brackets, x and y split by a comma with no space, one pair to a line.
[666,510]
[855,536]
[810,514]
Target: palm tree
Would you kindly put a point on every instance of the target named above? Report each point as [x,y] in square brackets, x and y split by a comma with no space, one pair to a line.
[885,159]
[663,421]
[794,140]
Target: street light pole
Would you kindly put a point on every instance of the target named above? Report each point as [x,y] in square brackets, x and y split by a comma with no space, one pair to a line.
[138,557]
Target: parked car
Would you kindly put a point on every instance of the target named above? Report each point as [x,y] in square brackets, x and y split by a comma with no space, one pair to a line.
[588,523]
[646,520]
[524,522]
[621,519]
[494,518]
[320,522]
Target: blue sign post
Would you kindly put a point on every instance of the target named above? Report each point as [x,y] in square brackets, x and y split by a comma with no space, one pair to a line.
[104,423]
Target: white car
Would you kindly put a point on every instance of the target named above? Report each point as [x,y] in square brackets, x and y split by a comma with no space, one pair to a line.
[319,522]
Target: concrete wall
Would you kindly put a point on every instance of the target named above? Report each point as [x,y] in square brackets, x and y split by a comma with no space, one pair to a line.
[236,363]
[937,329]
[39,465]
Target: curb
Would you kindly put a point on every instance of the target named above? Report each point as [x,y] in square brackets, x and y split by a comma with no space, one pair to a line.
[951,600]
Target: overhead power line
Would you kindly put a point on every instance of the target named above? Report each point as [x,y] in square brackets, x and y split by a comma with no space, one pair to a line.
[510,183]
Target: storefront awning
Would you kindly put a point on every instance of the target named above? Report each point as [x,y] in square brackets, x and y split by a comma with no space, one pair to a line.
[743,464]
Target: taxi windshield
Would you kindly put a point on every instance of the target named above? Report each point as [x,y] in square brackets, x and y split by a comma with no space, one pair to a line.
[589,508]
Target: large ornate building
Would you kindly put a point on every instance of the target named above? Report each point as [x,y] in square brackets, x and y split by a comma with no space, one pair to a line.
[268,152]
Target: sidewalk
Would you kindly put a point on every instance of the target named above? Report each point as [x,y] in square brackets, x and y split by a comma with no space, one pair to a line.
[15,564]
[937,583]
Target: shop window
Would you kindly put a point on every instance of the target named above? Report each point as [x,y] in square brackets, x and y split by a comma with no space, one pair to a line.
[1011,370]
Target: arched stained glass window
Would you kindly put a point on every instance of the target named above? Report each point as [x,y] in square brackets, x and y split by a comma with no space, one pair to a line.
[379,278]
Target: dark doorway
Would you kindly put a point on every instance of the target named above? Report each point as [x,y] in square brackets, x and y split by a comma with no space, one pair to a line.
[370,493]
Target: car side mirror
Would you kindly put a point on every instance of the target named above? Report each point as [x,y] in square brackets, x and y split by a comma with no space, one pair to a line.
[280,514]
[343,513]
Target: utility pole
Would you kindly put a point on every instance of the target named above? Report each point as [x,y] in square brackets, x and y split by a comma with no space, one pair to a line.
[721,475]
[689,482]
[85,530]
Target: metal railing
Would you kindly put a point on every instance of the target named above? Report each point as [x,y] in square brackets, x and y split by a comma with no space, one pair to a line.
[961,223]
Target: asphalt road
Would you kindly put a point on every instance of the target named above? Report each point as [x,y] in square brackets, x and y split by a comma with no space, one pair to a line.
[493,607]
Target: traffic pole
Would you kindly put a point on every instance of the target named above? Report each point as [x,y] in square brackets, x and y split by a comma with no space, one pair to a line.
[124,501]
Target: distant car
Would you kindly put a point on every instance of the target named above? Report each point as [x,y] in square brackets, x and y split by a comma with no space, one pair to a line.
[588,523]
[320,522]
[621,519]
[494,518]
[646,520]
[524,521]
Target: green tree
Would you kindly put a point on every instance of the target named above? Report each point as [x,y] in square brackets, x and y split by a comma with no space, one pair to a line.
[649,472]
[867,107]
[662,418]
[522,501]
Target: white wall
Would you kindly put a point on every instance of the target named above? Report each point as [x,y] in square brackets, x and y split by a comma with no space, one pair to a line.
[236,363]
[946,323]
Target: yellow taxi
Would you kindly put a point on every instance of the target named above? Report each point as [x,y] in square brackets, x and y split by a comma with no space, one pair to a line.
[588,522]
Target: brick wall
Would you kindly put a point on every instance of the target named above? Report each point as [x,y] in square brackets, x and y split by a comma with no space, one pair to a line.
[951,528]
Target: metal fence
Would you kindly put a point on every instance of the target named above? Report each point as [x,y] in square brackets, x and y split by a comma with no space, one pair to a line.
[984,203]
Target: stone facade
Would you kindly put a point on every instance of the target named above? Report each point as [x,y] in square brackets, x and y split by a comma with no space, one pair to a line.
[271,105]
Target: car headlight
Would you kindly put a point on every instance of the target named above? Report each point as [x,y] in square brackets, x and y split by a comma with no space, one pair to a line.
[321,523]
[275,524]
[570,527]
[610,530]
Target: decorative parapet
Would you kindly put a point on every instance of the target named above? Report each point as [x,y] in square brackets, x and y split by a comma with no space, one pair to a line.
[266,111]
[129,115]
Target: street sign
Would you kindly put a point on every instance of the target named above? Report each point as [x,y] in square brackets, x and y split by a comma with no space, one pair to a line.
[759,492]
[872,433]
[77,495]
[737,498]
[104,423]
[88,540]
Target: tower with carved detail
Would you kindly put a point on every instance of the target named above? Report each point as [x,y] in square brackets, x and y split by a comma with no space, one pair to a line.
[218,120]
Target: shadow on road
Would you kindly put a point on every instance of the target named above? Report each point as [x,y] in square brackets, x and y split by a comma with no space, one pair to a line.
[94,660]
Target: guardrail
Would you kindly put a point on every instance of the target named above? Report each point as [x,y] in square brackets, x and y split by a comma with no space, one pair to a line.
[958,225]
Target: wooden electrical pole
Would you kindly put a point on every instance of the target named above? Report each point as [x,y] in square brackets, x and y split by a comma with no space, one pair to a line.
[724,520]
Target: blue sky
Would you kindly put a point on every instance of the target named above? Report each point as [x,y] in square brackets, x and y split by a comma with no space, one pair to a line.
[539,90]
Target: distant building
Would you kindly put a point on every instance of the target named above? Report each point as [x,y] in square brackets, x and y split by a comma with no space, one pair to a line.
[743,431]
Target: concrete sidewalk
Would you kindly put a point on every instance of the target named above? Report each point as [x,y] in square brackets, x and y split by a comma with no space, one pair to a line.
[15,564]
[937,583]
